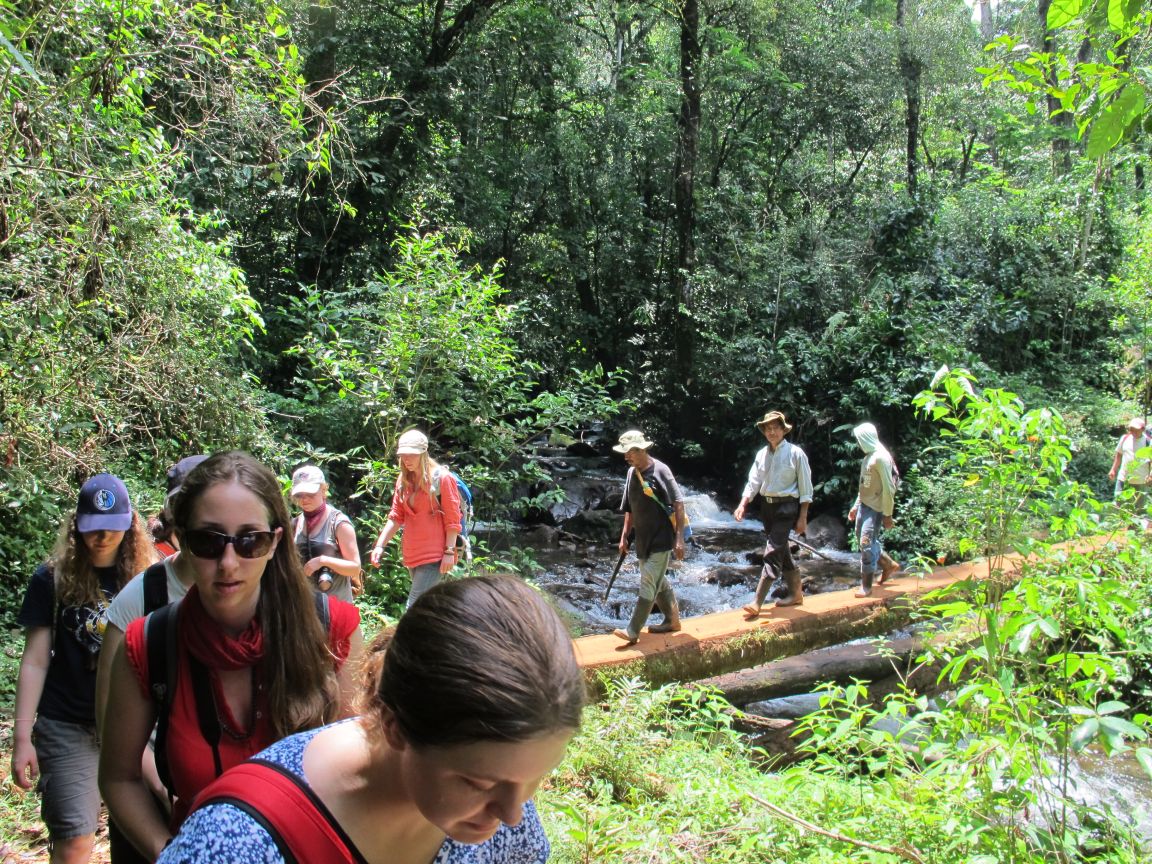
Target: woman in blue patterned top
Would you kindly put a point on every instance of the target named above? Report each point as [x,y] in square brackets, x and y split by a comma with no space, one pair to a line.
[465,710]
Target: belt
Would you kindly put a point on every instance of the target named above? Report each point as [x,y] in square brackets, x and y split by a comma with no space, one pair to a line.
[783,499]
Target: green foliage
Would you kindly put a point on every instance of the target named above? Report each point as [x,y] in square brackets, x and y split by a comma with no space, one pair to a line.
[124,332]
[1014,466]
[1106,95]
[648,779]
[429,344]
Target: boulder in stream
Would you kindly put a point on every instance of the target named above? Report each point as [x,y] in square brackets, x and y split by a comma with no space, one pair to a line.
[596,526]
[827,532]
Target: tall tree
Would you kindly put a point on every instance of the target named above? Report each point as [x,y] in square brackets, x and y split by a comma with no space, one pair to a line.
[688,146]
[910,69]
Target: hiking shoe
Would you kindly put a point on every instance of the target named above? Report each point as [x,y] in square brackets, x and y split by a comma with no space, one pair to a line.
[863,592]
[623,634]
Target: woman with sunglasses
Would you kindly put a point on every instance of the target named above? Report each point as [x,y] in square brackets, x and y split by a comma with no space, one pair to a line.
[426,504]
[101,545]
[464,712]
[249,626]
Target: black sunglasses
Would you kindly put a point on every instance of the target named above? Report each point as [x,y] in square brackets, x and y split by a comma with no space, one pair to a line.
[211,544]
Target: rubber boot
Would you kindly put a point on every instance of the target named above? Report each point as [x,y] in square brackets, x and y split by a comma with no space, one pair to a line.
[889,567]
[666,600]
[795,595]
[636,623]
[865,588]
[767,577]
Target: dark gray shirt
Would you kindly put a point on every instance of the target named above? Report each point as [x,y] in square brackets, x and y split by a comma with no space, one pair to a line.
[655,530]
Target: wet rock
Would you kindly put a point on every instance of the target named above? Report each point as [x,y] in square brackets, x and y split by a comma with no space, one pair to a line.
[576,592]
[726,577]
[542,537]
[595,526]
[827,532]
[583,449]
[727,557]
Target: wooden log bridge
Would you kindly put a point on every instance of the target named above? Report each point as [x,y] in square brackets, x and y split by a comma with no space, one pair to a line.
[723,642]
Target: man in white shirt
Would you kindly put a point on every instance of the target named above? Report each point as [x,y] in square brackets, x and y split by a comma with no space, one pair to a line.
[781,476]
[1129,470]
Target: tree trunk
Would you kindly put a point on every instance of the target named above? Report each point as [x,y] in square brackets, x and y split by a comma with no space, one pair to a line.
[988,33]
[688,145]
[313,225]
[1061,123]
[910,69]
[805,672]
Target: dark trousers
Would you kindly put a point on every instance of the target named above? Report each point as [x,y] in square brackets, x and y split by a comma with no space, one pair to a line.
[779,517]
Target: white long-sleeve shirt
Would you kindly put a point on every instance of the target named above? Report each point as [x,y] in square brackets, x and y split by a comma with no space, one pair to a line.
[780,474]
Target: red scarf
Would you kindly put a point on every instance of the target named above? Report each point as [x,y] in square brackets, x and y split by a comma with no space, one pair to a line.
[210,644]
[311,520]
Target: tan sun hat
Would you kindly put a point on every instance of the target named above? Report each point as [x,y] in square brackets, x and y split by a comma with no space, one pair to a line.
[771,416]
[412,443]
[631,440]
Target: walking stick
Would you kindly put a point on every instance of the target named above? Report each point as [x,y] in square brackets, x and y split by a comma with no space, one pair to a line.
[795,539]
[615,573]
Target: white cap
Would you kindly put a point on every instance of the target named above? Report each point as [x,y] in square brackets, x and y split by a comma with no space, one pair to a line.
[307,480]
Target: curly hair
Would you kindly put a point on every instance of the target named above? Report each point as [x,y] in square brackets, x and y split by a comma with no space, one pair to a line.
[297,669]
[478,659]
[73,574]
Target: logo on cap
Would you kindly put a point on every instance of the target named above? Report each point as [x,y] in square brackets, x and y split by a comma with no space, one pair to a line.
[104,500]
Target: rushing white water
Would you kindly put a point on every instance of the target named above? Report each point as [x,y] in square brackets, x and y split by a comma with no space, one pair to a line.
[716,574]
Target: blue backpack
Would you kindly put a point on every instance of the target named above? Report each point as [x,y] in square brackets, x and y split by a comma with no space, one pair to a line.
[467,514]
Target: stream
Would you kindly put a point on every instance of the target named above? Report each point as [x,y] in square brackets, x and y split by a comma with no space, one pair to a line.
[718,573]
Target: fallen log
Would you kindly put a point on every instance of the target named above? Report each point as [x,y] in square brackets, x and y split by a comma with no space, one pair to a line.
[803,673]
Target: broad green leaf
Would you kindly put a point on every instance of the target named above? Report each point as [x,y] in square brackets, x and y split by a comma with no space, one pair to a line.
[1144,757]
[1108,128]
[1064,12]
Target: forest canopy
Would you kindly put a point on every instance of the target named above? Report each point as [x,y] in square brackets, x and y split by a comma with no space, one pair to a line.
[299,228]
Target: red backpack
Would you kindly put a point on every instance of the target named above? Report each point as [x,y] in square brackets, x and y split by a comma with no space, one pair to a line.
[298,822]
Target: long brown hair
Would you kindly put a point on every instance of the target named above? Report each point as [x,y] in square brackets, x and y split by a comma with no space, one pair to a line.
[419,480]
[297,670]
[477,659]
[73,574]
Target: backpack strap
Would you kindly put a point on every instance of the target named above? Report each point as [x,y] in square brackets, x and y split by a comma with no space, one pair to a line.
[299,824]
[323,611]
[155,587]
[160,640]
[162,645]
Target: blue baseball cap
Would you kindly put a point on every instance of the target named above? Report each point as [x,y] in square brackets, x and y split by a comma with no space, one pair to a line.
[103,505]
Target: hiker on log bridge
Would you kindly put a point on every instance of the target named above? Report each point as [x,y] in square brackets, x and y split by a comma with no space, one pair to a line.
[781,476]
[874,505]
[653,505]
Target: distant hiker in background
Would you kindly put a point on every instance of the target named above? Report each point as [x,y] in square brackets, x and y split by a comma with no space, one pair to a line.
[874,504]
[463,713]
[781,476]
[426,504]
[325,537]
[242,661]
[100,546]
[653,506]
[157,586]
[163,532]
[1128,470]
